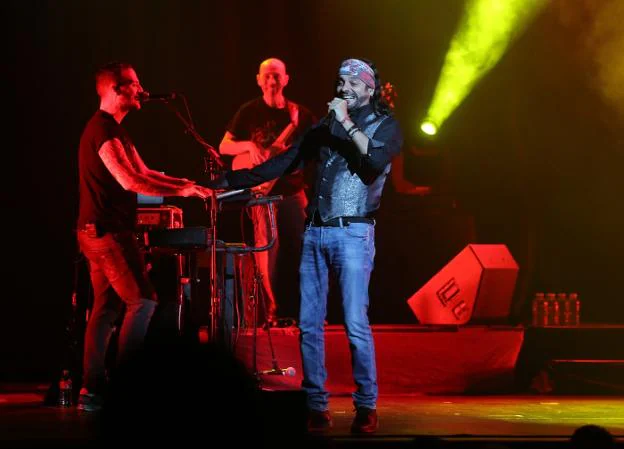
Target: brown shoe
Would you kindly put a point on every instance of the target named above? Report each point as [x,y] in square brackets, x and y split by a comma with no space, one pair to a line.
[365,420]
[319,421]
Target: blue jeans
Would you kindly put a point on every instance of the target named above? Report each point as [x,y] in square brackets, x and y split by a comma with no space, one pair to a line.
[349,252]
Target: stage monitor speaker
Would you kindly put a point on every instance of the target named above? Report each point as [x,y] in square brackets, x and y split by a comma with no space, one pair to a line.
[477,285]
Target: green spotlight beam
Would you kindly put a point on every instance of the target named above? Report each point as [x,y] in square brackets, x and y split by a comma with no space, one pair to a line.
[484,33]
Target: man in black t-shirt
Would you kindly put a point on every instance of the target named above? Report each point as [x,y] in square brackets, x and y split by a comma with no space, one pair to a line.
[111,174]
[261,129]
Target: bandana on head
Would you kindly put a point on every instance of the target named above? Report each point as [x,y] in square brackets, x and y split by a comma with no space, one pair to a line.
[355,67]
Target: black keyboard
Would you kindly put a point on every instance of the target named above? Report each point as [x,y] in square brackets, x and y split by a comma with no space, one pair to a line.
[192,237]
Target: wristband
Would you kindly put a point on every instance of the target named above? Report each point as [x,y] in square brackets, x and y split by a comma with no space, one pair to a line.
[352,131]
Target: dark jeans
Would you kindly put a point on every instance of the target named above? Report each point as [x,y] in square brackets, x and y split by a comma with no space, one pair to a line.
[118,277]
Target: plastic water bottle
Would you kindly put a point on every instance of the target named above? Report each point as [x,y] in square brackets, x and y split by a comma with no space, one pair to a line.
[552,310]
[545,314]
[65,390]
[562,299]
[566,313]
[575,303]
[537,309]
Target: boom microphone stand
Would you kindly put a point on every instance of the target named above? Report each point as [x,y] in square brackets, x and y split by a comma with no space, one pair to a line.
[213,165]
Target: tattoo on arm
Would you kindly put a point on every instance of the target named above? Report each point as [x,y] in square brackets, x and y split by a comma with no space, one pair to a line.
[125,172]
[114,156]
[138,162]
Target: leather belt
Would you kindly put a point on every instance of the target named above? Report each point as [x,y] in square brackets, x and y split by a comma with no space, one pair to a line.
[339,221]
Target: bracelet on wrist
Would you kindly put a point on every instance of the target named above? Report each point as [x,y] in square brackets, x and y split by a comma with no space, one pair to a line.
[352,131]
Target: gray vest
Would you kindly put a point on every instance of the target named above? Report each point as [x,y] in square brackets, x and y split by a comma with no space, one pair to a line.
[341,193]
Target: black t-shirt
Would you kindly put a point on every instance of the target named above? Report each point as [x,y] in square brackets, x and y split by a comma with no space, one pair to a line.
[103,200]
[261,124]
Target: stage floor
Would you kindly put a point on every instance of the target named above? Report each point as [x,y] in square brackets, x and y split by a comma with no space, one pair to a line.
[502,419]
[486,417]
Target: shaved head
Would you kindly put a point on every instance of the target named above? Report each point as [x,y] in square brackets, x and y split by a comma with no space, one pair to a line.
[272,78]
[111,74]
[272,64]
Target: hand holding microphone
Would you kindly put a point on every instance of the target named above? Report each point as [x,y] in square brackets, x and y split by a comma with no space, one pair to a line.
[337,108]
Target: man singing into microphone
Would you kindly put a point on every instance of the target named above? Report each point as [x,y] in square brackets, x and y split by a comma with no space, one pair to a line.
[111,173]
[352,148]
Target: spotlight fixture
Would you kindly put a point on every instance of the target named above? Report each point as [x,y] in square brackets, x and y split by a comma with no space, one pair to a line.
[429,128]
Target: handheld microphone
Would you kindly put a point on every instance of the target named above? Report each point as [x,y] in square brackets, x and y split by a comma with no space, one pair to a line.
[146,96]
[290,371]
[331,115]
[329,118]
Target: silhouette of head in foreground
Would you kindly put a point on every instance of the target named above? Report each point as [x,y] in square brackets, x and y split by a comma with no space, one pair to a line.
[182,391]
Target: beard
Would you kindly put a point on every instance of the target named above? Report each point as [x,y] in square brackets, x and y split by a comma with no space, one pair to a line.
[354,101]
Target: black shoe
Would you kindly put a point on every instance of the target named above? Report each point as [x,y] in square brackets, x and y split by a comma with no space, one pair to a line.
[319,421]
[286,322]
[365,420]
[89,402]
[271,322]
